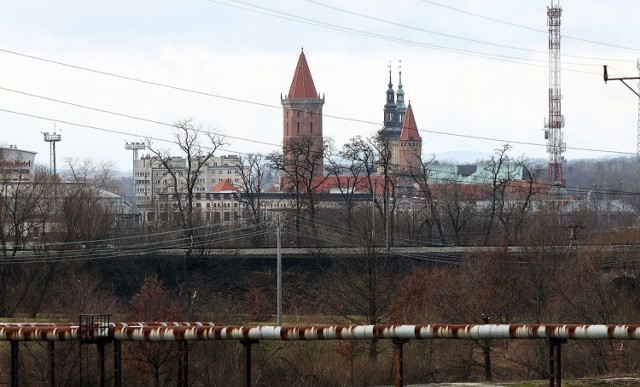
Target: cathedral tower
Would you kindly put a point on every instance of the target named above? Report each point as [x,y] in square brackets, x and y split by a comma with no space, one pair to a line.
[390,133]
[391,128]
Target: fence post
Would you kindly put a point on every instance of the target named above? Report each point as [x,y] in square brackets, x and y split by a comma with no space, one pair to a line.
[52,364]
[117,363]
[247,360]
[15,364]
[398,360]
[555,361]
[183,364]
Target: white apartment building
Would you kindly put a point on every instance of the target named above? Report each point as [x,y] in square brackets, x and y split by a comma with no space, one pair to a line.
[150,177]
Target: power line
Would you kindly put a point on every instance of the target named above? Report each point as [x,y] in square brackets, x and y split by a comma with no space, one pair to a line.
[318,23]
[472,40]
[525,27]
[133,79]
[475,137]
[125,115]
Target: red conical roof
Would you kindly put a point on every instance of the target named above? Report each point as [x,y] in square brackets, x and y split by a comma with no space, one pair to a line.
[302,84]
[409,128]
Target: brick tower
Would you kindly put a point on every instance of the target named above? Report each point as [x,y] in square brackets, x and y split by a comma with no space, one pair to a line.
[410,143]
[302,113]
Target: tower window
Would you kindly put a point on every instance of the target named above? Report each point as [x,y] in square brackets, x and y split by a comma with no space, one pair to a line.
[298,113]
[298,128]
[311,127]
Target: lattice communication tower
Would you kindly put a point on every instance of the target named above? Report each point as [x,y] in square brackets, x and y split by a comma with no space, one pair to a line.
[554,124]
[638,130]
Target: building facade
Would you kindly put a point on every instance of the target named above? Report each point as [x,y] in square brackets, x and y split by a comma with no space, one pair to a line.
[16,164]
[151,178]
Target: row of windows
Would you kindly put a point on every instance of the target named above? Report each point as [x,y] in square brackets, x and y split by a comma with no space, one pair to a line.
[227,215]
[200,181]
[298,129]
[218,205]
[298,113]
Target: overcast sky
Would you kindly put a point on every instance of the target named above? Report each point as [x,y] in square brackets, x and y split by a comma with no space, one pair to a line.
[473,68]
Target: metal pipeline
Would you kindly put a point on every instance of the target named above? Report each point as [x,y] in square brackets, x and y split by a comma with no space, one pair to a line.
[200,331]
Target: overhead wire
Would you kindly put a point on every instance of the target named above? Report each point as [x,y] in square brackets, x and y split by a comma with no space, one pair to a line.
[150,247]
[472,40]
[288,16]
[459,135]
[230,98]
[110,112]
[492,19]
[238,152]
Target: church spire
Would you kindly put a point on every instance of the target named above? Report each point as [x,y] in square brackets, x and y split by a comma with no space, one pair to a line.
[402,108]
[390,127]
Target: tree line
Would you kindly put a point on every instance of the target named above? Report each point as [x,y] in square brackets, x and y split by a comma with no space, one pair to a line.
[547,283]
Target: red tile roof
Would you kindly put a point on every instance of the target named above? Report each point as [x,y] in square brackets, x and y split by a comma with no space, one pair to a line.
[410,128]
[302,84]
[224,185]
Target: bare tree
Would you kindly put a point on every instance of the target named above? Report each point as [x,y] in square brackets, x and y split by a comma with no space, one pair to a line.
[153,303]
[184,180]
[459,209]
[253,170]
[388,171]
[352,169]
[501,174]
[20,205]
[360,289]
[23,215]
[302,168]
[421,175]
[82,214]
[513,210]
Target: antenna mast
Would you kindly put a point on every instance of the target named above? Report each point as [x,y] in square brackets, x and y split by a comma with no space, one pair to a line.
[554,124]
[52,139]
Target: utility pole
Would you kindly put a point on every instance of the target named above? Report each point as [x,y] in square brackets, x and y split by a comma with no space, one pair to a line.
[623,79]
[373,214]
[279,273]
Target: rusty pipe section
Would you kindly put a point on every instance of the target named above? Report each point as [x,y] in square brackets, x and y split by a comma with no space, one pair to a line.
[45,331]
[165,324]
[39,333]
[367,332]
[196,331]
[120,324]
